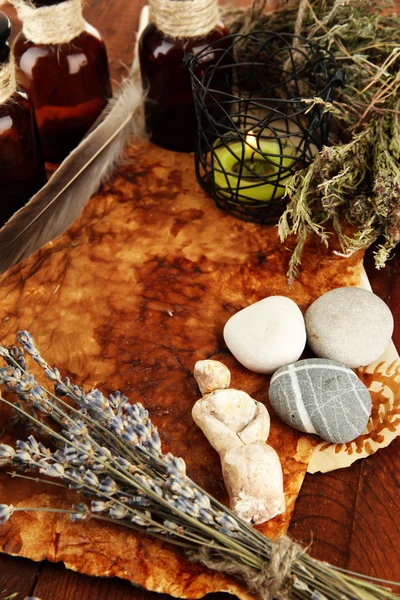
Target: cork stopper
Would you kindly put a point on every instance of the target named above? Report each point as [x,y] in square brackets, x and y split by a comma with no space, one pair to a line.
[184,18]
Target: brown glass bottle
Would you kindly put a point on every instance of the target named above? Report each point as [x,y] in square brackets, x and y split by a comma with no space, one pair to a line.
[170,112]
[22,171]
[69,84]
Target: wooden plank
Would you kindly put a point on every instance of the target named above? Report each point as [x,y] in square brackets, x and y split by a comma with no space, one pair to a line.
[17,575]
[344,513]
[57,582]
[375,547]
[324,514]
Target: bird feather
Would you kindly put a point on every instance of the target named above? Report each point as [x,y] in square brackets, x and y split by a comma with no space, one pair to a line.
[56,206]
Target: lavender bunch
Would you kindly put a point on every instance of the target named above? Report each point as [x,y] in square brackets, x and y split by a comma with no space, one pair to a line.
[110,452]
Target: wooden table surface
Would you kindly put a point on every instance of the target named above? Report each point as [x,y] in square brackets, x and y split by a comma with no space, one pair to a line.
[351,516]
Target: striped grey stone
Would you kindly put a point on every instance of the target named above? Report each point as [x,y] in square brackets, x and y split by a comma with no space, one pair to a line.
[321,396]
[350,325]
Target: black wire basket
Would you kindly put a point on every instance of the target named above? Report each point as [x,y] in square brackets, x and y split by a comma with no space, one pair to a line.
[262,115]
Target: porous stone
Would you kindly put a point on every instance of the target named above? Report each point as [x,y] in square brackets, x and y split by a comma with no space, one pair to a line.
[266,335]
[350,325]
[323,397]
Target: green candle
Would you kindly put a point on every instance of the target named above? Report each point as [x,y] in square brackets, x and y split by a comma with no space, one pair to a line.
[239,168]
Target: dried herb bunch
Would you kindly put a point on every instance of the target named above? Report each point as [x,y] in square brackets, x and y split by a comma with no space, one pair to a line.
[109,451]
[356,181]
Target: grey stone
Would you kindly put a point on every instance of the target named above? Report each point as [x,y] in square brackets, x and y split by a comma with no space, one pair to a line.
[350,325]
[323,397]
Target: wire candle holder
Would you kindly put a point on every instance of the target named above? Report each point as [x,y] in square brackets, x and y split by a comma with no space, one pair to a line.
[263,114]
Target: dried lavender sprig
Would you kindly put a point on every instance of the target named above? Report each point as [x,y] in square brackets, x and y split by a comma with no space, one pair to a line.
[93,399]
[162,463]
[88,482]
[180,507]
[310,579]
[102,408]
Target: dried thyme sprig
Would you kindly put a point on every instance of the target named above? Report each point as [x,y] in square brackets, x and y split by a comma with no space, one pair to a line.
[109,451]
[356,182]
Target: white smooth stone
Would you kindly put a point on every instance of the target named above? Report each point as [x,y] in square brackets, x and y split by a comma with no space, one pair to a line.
[266,335]
[350,325]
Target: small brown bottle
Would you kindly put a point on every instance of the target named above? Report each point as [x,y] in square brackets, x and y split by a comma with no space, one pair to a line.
[22,171]
[170,111]
[68,81]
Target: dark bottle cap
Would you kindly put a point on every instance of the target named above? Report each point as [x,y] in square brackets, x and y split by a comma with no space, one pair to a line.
[5,28]
[5,31]
[39,3]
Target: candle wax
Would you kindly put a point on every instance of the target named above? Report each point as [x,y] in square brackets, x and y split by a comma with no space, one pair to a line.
[239,169]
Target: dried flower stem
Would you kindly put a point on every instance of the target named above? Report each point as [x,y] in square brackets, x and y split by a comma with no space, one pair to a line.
[110,451]
[366,44]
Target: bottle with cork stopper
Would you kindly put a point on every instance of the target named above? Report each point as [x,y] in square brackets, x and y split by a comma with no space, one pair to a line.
[22,171]
[177,28]
[62,62]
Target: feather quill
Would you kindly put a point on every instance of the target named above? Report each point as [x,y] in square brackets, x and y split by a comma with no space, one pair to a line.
[56,206]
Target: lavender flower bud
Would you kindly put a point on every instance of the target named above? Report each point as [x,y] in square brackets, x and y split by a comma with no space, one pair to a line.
[59,457]
[75,475]
[78,428]
[71,454]
[6,510]
[139,521]
[50,375]
[90,478]
[105,452]
[173,486]
[172,525]
[6,452]
[18,355]
[98,467]
[202,500]
[82,511]
[156,440]
[206,517]
[23,457]
[138,501]
[129,436]
[227,522]
[176,466]
[125,464]
[36,448]
[108,486]
[4,352]
[118,512]
[55,470]
[98,506]
[117,425]
[187,492]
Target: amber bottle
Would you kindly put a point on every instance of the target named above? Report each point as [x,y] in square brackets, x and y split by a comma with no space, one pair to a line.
[170,111]
[69,84]
[22,171]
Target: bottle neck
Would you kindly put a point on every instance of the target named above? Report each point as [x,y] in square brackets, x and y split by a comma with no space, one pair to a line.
[184,18]
[53,22]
